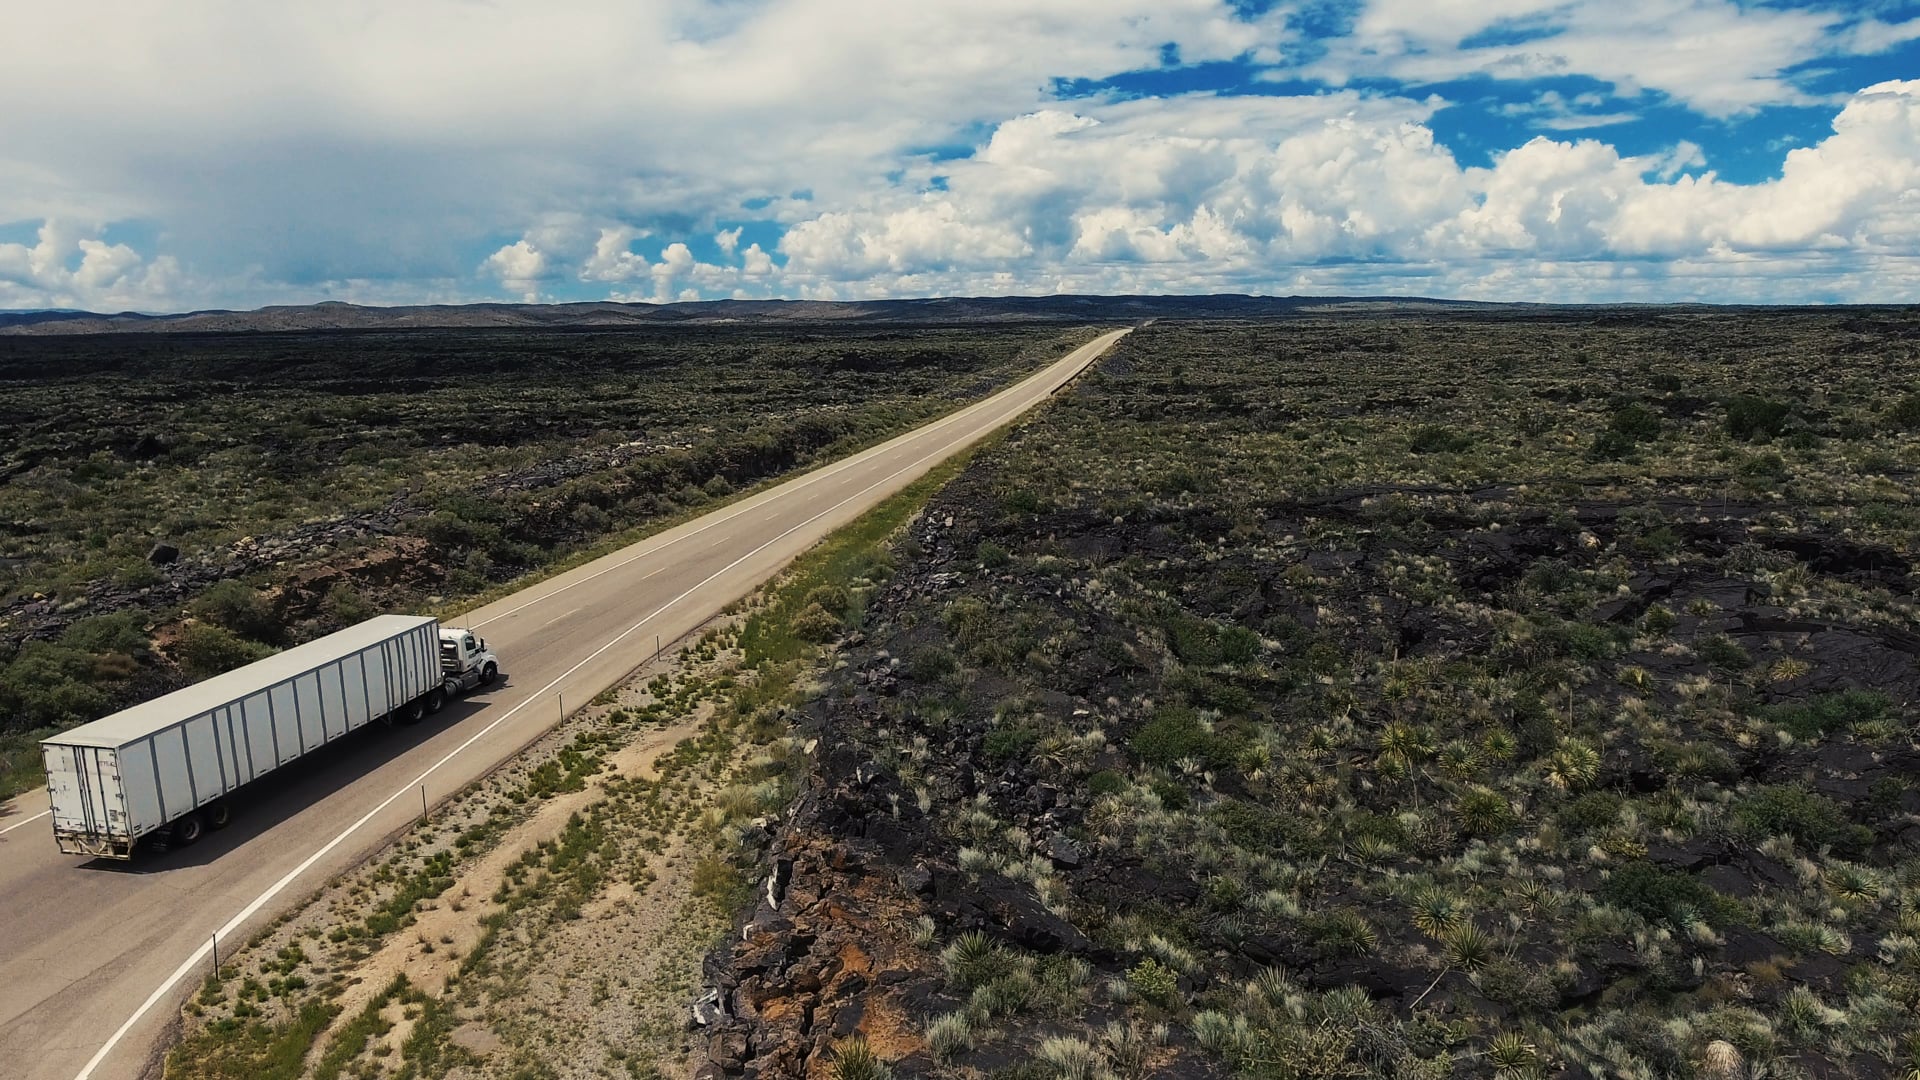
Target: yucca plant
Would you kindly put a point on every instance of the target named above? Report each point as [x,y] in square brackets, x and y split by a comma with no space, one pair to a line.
[1853,882]
[1459,758]
[973,959]
[1540,897]
[1468,947]
[1349,932]
[1573,765]
[1510,1052]
[1435,912]
[1482,812]
[855,1060]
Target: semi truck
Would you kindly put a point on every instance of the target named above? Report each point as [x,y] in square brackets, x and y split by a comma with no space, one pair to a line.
[165,771]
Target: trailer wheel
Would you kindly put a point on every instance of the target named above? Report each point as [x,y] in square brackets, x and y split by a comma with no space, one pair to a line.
[411,712]
[436,700]
[488,674]
[187,830]
[219,815]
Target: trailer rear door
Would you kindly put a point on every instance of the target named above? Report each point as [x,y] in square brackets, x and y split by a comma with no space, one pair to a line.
[83,783]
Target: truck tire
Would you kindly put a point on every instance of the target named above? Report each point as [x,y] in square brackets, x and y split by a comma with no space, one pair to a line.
[488,674]
[219,815]
[186,830]
[411,712]
[436,700]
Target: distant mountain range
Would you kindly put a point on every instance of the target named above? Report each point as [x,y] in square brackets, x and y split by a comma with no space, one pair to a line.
[339,316]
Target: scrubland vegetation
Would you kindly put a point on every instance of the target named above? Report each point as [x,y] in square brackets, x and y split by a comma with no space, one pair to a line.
[1423,697]
[305,481]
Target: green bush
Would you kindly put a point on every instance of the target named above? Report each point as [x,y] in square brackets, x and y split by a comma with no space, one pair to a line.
[931,663]
[1611,445]
[992,555]
[1756,419]
[1798,812]
[1658,895]
[1155,982]
[1831,712]
[1106,782]
[815,623]
[1173,734]
[344,606]
[1238,645]
[1437,439]
[205,650]
[48,685]
[237,606]
[1636,422]
[1007,740]
[1722,652]
[122,632]
[1905,413]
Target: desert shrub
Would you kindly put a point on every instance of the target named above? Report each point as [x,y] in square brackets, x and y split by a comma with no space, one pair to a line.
[1172,794]
[48,685]
[1592,811]
[344,606]
[205,650]
[833,598]
[1628,427]
[1792,810]
[815,623]
[1193,641]
[1106,782]
[1238,645]
[1636,422]
[1831,712]
[1009,739]
[1658,895]
[949,1036]
[1905,413]
[1721,651]
[1610,445]
[1154,981]
[122,632]
[931,663]
[716,877]
[1172,734]
[1344,931]
[992,555]
[1756,419]
[237,606]
[1437,439]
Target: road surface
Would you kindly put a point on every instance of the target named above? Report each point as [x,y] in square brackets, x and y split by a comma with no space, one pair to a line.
[96,957]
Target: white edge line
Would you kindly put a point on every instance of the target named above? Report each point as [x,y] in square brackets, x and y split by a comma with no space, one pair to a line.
[24,821]
[253,908]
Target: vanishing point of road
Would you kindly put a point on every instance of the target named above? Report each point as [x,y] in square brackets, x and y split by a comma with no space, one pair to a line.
[96,957]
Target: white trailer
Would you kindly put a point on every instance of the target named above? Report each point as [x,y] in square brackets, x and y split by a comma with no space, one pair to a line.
[165,768]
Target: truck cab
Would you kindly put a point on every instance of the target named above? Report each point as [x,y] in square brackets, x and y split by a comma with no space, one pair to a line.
[465,659]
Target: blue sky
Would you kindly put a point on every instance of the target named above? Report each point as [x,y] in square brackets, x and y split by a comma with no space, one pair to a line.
[225,154]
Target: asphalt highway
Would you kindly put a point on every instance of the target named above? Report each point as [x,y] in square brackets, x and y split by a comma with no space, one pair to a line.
[96,957]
